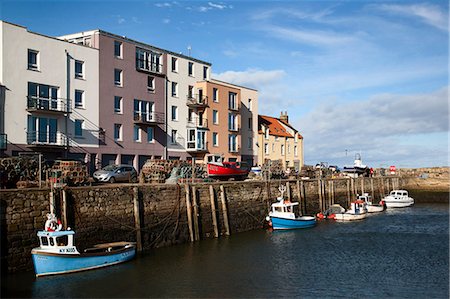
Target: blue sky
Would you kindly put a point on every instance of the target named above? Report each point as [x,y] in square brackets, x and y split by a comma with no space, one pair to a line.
[354,76]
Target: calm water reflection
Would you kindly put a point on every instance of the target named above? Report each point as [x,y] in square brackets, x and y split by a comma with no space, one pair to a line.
[402,253]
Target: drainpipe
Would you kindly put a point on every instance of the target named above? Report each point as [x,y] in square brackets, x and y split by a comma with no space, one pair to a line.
[66,155]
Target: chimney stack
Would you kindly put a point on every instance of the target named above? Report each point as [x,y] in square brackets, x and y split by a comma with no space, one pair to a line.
[284,117]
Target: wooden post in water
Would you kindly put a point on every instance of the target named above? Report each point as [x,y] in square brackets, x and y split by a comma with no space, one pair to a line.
[332,192]
[189,211]
[64,214]
[371,189]
[224,209]
[288,190]
[213,211]
[137,219]
[382,187]
[362,186]
[387,187]
[299,194]
[348,191]
[196,227]
[319,184]
[52,202]
[303,195]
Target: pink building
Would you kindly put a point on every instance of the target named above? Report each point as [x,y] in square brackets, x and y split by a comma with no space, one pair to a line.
[132,87]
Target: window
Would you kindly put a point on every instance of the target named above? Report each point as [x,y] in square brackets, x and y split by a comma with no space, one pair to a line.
[117,132]
[143,110]
[205,73]
[232,122]
[232,104]
[250,123]
[33,63]
[79,98]
[43,130]
[79,69]
[266,133]
[137,134]
[150,83]
[215,117]
[174,89]
[215,139]
[250,143]
[173,136]
[150,134]
[289,149]
[232,145]
[295,151]
[148,61]
[117,49]
[266,148]
[215,95]
[190,68]
[117,77]
[190,92]
[282,149]
[43,97]
[79,128]
[118,105]
[174,113]
[174,65]
[250,105]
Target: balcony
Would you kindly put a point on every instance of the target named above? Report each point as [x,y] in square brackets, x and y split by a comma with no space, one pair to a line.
[3,141]
[196,146]
[197,122]
[197,101]
[52,139]
[35,104]
[144,65]
[235,129]
[150,119]
[234,148]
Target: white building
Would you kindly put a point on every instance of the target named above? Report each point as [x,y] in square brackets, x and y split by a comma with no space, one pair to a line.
[51,98]
[182,99]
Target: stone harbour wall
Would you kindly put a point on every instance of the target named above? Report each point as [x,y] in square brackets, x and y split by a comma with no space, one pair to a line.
[163,214]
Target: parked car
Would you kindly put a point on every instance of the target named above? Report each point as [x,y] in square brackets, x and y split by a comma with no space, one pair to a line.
[116,173]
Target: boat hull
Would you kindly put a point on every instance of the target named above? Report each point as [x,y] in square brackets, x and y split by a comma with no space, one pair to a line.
[54,263]
[349,217]
[375,208]
[218,171]
[398,204]
[299,222]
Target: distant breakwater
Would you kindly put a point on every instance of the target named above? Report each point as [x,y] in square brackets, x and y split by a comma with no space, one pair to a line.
[167,214]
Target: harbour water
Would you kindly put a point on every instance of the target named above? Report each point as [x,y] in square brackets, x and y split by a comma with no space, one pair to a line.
[401,253]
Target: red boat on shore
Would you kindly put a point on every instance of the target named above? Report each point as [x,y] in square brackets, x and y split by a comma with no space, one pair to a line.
[219,169]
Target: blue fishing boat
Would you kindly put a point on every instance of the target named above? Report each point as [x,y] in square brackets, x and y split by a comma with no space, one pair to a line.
[284,215]
[57,253]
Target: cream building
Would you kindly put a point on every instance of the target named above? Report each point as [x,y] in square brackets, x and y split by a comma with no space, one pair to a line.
[278,140]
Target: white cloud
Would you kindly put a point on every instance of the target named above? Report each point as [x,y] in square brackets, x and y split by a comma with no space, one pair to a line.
[427,13]
[166,21]
[386,126]
[164,4]
[254,78]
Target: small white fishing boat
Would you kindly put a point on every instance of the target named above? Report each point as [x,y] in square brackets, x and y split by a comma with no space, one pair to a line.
[398,199]
[371,207]
[357,211]
[284,214]
[57,253]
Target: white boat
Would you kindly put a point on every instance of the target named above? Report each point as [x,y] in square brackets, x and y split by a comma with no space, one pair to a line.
[284,215]
[398,199]
[357,169]
[371,207]
[357,211]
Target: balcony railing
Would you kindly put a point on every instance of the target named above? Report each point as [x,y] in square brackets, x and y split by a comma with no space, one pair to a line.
[197,101]
[196,146]
[234,149]
[37,138]
[233,129]
[146,66]
[48,105]
[152,118]
[3,141]
[197,122]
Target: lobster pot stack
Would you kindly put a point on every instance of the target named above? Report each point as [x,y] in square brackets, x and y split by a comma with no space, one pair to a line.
[69,172]
[157,171]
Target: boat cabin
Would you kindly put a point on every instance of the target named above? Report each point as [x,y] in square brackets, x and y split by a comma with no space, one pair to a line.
[57,241]
[399,193]
[285,209]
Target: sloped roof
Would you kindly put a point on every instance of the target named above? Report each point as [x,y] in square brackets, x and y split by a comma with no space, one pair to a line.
[275,126]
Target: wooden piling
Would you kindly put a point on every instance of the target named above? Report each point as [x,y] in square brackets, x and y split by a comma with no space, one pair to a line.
[189,211]
[52,202]
[303,195]
[319,184]
[213,211]
[196,215]
[348,191]
[225,211]
[362,186]
[288,190]
[64,213]
[137,219]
